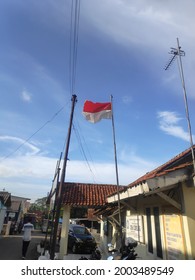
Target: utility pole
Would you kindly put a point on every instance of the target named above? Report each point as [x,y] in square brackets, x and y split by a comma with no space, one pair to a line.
[62,179]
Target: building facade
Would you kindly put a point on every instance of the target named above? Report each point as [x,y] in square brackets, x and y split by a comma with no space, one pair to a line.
[158,211]
[5,202]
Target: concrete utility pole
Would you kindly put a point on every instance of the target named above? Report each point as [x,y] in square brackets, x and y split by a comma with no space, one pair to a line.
[62,179]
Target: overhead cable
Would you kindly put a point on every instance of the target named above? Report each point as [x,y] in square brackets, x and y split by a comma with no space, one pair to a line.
[27,140]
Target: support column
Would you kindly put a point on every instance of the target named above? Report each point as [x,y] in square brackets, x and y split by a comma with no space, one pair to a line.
[64,232]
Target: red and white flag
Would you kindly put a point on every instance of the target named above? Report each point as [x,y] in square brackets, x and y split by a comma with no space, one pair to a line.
[94,112]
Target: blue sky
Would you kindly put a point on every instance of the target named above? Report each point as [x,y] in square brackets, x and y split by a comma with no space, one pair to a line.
[122,49]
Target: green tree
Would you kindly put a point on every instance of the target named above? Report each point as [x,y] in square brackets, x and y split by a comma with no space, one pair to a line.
[39,204]
[40,208]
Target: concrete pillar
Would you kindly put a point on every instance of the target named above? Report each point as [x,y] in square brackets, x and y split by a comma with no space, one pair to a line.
[102,229]
[103,238]
[64,232]
[8,228]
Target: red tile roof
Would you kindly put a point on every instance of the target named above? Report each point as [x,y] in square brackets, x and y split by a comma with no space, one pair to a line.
[79,194]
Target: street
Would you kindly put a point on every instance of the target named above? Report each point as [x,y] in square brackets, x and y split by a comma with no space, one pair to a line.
[11,246]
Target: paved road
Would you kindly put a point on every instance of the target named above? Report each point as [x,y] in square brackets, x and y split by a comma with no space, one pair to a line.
[11,246]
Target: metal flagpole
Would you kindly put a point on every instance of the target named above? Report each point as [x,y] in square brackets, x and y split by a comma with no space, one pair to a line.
[62,179]
[117,177]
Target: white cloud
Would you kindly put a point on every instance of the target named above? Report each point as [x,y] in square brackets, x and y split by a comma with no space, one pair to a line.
[32,175]
[148,28]
[169,123]
[168,118]
[28,167]
[30,149]
[26,96]
[130,167]
[128,21]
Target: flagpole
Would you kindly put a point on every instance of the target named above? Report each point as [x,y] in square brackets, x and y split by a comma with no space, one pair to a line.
[116,169]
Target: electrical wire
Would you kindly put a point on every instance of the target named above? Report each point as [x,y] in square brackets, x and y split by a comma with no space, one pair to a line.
[38,130]
[83,152]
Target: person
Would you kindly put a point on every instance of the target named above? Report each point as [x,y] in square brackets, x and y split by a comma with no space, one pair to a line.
[27,230]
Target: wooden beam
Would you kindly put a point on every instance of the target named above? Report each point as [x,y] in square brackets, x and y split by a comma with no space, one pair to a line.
[155,191]
[159,192]
[128,205]
[170,200]
[115,220]
[116,212]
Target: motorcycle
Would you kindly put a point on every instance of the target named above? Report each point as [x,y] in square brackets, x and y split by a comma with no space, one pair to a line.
[125,253]
[95,255]
[129,251]
[114,254]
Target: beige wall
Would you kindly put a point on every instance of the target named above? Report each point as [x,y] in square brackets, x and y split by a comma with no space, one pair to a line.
[189,219]
[177,227]
[186,226]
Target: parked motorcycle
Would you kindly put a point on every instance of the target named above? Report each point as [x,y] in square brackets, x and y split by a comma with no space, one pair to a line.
[114,254]
[125,253]
[129,251]
[95,255]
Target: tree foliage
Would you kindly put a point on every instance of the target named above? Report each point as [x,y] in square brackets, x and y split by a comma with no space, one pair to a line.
[39,204]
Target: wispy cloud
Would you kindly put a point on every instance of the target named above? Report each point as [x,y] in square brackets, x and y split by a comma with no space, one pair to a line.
[121,19]
[169,123]
[26,96]
[30,149]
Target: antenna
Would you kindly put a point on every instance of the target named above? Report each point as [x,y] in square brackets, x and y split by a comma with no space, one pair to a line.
[174,52]
[177,52]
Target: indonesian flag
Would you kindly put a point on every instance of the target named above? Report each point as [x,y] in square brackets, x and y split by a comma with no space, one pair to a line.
[94,112]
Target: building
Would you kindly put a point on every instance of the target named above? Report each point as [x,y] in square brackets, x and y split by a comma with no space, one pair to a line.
[15,212]
[19,206]
[158,210]
[5,202]
[93,196]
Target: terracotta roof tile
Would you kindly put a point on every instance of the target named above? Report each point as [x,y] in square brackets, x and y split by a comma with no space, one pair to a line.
[80,194]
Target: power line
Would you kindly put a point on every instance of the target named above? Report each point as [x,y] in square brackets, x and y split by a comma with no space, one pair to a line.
[75,15]
[83,152]
[39,129]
